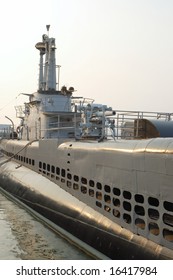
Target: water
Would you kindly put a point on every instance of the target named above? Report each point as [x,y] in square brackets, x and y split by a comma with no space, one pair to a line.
[22,237]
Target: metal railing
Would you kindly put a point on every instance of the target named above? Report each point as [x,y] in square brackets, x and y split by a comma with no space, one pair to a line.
[135,124]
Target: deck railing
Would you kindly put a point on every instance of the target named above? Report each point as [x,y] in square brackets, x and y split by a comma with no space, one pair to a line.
[138,124]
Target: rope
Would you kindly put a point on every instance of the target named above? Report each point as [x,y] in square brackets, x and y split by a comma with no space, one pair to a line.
[9,102]
[9,159]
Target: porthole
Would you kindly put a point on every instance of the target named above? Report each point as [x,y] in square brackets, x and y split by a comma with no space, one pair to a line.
[69,176]
[83,180]
[99,186]
[57,170]
[127,195]
[91,183]
[75,186]
[139,210]
[76,178]
[107,208]
[98,203]
[107,198]
[127,206]
[91,192]
[40,164]
[140,223]
[153,214]
[168,235]
[83,189]
[168,219]
[99,195]
[63,172]
[116,213]
[153,201]
[44,165]
[116,191]
[153,228]
[53,169]
[116,202]
[168,206]
[127,218]
[107,188]
[68,184]
[48,167]
[139,198]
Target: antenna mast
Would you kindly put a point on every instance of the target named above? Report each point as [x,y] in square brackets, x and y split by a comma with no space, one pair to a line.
[47,80]
[48,27]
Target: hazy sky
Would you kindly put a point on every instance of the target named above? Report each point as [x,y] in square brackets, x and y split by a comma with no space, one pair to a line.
[118,52]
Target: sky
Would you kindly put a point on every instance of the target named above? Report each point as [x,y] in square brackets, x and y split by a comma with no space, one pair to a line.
[118,52]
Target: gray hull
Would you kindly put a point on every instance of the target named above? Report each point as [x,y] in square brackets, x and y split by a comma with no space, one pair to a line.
[76,218]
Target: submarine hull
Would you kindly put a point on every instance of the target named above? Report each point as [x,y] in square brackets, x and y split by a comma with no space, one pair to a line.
[67,212]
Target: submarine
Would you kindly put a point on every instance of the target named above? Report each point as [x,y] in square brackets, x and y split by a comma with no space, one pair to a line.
[99,176]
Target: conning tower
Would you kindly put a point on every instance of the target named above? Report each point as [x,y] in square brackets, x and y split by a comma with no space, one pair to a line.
[56,114]
[48,114]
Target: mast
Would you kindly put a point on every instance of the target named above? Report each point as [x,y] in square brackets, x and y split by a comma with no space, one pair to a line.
[47,69]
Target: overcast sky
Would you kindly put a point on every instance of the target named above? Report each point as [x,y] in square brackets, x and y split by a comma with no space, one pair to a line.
[118,52]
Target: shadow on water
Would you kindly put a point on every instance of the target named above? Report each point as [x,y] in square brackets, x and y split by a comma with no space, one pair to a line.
[23,237]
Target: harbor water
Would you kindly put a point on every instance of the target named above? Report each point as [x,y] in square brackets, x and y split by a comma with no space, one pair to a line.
[23,237]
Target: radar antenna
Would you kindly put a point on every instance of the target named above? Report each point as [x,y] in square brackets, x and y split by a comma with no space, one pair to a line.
[48,27]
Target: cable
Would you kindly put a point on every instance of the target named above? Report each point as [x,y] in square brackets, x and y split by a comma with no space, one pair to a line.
[9,159]
[9,102]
